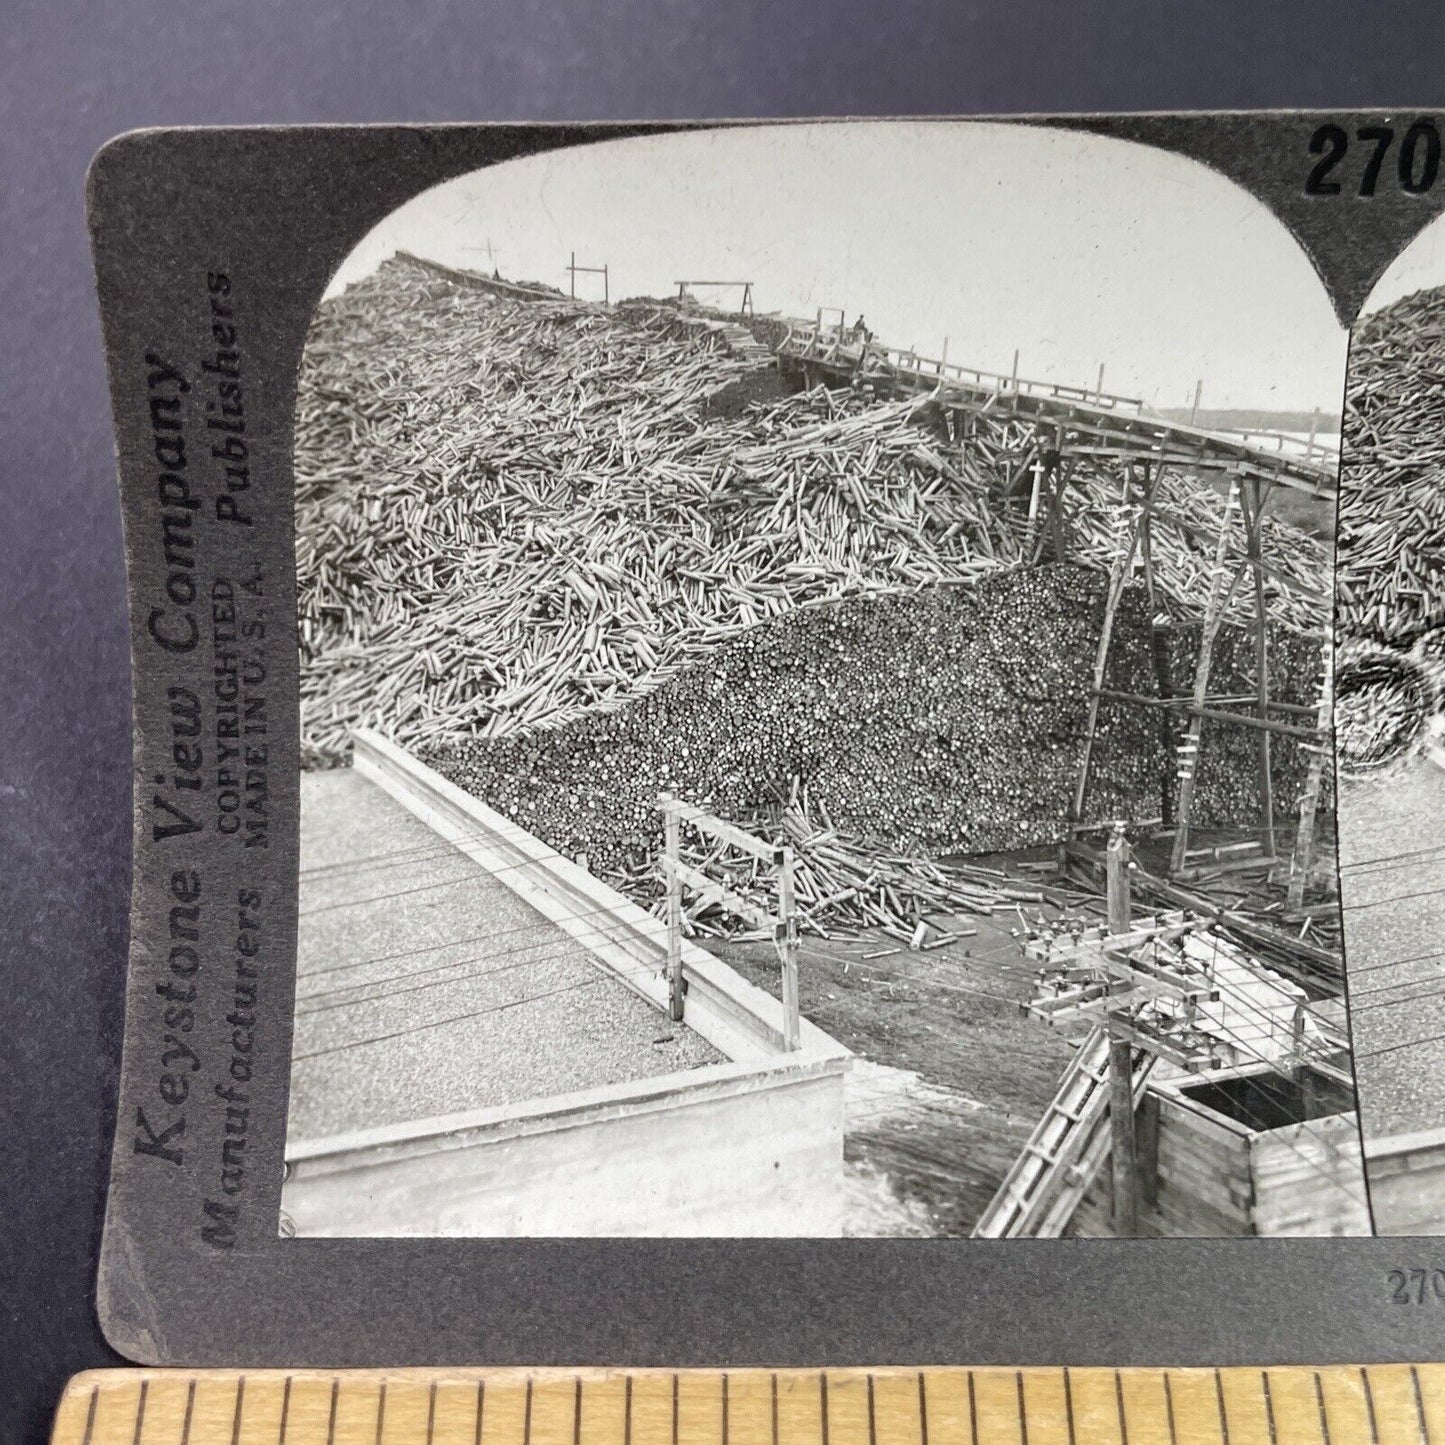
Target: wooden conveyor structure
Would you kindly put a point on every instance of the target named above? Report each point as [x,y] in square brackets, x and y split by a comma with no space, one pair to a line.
[1070,425]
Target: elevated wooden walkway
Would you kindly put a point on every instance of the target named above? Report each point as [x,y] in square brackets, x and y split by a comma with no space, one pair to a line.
[1089,423]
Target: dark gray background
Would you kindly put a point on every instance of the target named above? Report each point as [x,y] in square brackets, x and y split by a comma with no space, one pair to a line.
[73,76]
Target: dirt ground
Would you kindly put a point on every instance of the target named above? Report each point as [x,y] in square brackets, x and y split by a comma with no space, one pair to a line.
[953,1077]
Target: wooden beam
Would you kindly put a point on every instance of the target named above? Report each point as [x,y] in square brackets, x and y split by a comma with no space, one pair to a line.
[1214,611]
[671,854]
[1186,705]
[716,828]
[1303,858]
[1258,497]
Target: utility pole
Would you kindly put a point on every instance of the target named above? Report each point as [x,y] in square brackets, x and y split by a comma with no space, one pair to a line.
[573,268]
[1123,1151]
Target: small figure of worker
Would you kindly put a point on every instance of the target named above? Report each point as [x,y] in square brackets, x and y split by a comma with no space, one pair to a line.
[861,332]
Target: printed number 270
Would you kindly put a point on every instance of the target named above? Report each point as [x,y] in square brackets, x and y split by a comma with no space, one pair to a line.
[1417,158]
[1416,1286]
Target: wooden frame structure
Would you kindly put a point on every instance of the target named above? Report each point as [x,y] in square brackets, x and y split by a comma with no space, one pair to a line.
[1078,423]
[573,270]
[677,875]
[745,306]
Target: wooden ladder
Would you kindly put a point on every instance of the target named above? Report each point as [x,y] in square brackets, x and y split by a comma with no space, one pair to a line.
[1065,1151]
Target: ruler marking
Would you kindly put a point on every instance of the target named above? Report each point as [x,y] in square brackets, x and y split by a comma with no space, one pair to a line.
[90,1414]
[144,1414]
[240,1407]
[1370,1406]
[140,1412]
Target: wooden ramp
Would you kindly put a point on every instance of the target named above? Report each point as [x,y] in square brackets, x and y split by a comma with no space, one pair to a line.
[1064,1153]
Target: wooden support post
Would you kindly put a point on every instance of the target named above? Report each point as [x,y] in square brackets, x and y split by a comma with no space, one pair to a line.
[1035,493]
[1117,581]
[1304,844]
[1214,610]
[787,945]
[673,845]
[572,272]
[1122,1145]
[1194,410]
[1258,495]
[1123,1150]
[1116,880]
[1056,503]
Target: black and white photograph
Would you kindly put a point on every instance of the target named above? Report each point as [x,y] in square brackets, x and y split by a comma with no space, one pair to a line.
[817,676]
[1390,731]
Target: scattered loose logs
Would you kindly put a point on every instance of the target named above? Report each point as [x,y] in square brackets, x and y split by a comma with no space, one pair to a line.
[513,514]
[1390,581]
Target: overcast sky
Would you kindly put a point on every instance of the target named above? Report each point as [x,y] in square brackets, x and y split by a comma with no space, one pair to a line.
[1419,267]
[1077,250]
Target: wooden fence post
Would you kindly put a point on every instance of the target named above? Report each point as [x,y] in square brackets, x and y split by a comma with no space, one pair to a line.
[673,834]
[1123,1146]
[787,943]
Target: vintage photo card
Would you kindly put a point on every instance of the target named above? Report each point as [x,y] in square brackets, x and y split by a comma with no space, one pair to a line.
[1389,722]
[772,691]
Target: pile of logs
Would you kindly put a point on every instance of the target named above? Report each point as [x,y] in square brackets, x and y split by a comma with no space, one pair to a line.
[1390,581]
[513,514]
[947,720]
[843,885]
[1226,792]
[1383,698]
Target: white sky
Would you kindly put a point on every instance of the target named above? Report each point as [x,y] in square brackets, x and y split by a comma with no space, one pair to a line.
[1076,249]
[1419,267]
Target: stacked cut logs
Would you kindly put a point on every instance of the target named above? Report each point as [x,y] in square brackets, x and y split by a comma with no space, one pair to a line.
[1226,792]
[949,720]
[1390,580]
[516,513]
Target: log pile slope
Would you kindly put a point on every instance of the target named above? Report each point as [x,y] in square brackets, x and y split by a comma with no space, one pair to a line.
[948,720]
[512,514]
[1390,580]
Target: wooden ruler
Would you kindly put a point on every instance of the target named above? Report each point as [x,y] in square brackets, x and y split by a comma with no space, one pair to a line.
[1337,1405]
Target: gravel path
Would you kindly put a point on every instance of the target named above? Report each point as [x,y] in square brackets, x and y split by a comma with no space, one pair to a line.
[426,986]
[1392,871]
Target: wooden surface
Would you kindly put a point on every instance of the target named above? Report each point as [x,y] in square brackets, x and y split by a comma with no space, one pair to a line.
[1339,1405]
